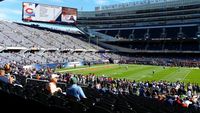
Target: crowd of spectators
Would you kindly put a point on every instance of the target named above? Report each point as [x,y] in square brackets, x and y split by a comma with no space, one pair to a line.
[173,93]
[185,94]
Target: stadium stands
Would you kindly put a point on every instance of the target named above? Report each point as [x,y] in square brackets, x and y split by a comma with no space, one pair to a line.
[22,43]
[148,27]
[145,34]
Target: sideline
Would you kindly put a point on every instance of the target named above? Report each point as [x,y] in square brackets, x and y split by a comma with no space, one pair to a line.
[67,70]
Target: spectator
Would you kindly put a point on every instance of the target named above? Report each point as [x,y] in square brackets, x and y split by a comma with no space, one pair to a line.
[5,79]
[75,90]
[7,68]
[52,87]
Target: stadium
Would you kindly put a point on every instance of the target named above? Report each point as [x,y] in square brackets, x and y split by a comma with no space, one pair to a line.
[141,56]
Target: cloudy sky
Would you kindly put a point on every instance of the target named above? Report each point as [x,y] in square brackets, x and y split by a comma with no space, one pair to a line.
[12,9]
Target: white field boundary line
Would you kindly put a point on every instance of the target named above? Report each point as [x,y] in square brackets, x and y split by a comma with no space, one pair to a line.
[170,75]
[84,68]
[186,75]
[122,70]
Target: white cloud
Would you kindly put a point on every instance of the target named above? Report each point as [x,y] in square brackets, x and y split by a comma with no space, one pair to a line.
[7,14]
[8,11]
[59,1]
[17,12]
[125,1]
[107,2]
[3,16]
[11,1]
[101,2]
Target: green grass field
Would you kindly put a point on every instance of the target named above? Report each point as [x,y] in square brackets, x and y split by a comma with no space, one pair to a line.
[139,72]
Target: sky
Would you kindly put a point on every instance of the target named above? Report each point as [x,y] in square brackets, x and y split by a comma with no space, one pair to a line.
[12,9]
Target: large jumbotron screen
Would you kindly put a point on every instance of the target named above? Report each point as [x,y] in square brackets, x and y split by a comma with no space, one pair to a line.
[48,13]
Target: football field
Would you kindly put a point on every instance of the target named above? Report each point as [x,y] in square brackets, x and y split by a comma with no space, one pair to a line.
[139,72]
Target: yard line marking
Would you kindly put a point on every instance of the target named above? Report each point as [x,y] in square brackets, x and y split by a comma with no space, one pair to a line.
[84,68]
[186,75]
[170,75]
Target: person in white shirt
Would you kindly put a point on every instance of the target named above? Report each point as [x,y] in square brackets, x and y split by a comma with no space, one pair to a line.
[52,87]
[189,93]
[187,102]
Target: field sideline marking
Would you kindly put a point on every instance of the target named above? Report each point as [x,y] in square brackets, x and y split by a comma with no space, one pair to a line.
[142,74]
[169,75]
[84,68]
[122,70]
[186,75]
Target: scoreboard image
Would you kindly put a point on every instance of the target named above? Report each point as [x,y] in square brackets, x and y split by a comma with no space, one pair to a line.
[48,13]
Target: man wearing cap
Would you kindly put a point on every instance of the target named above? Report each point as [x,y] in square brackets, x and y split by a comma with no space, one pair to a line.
[75,90]
[52,87]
